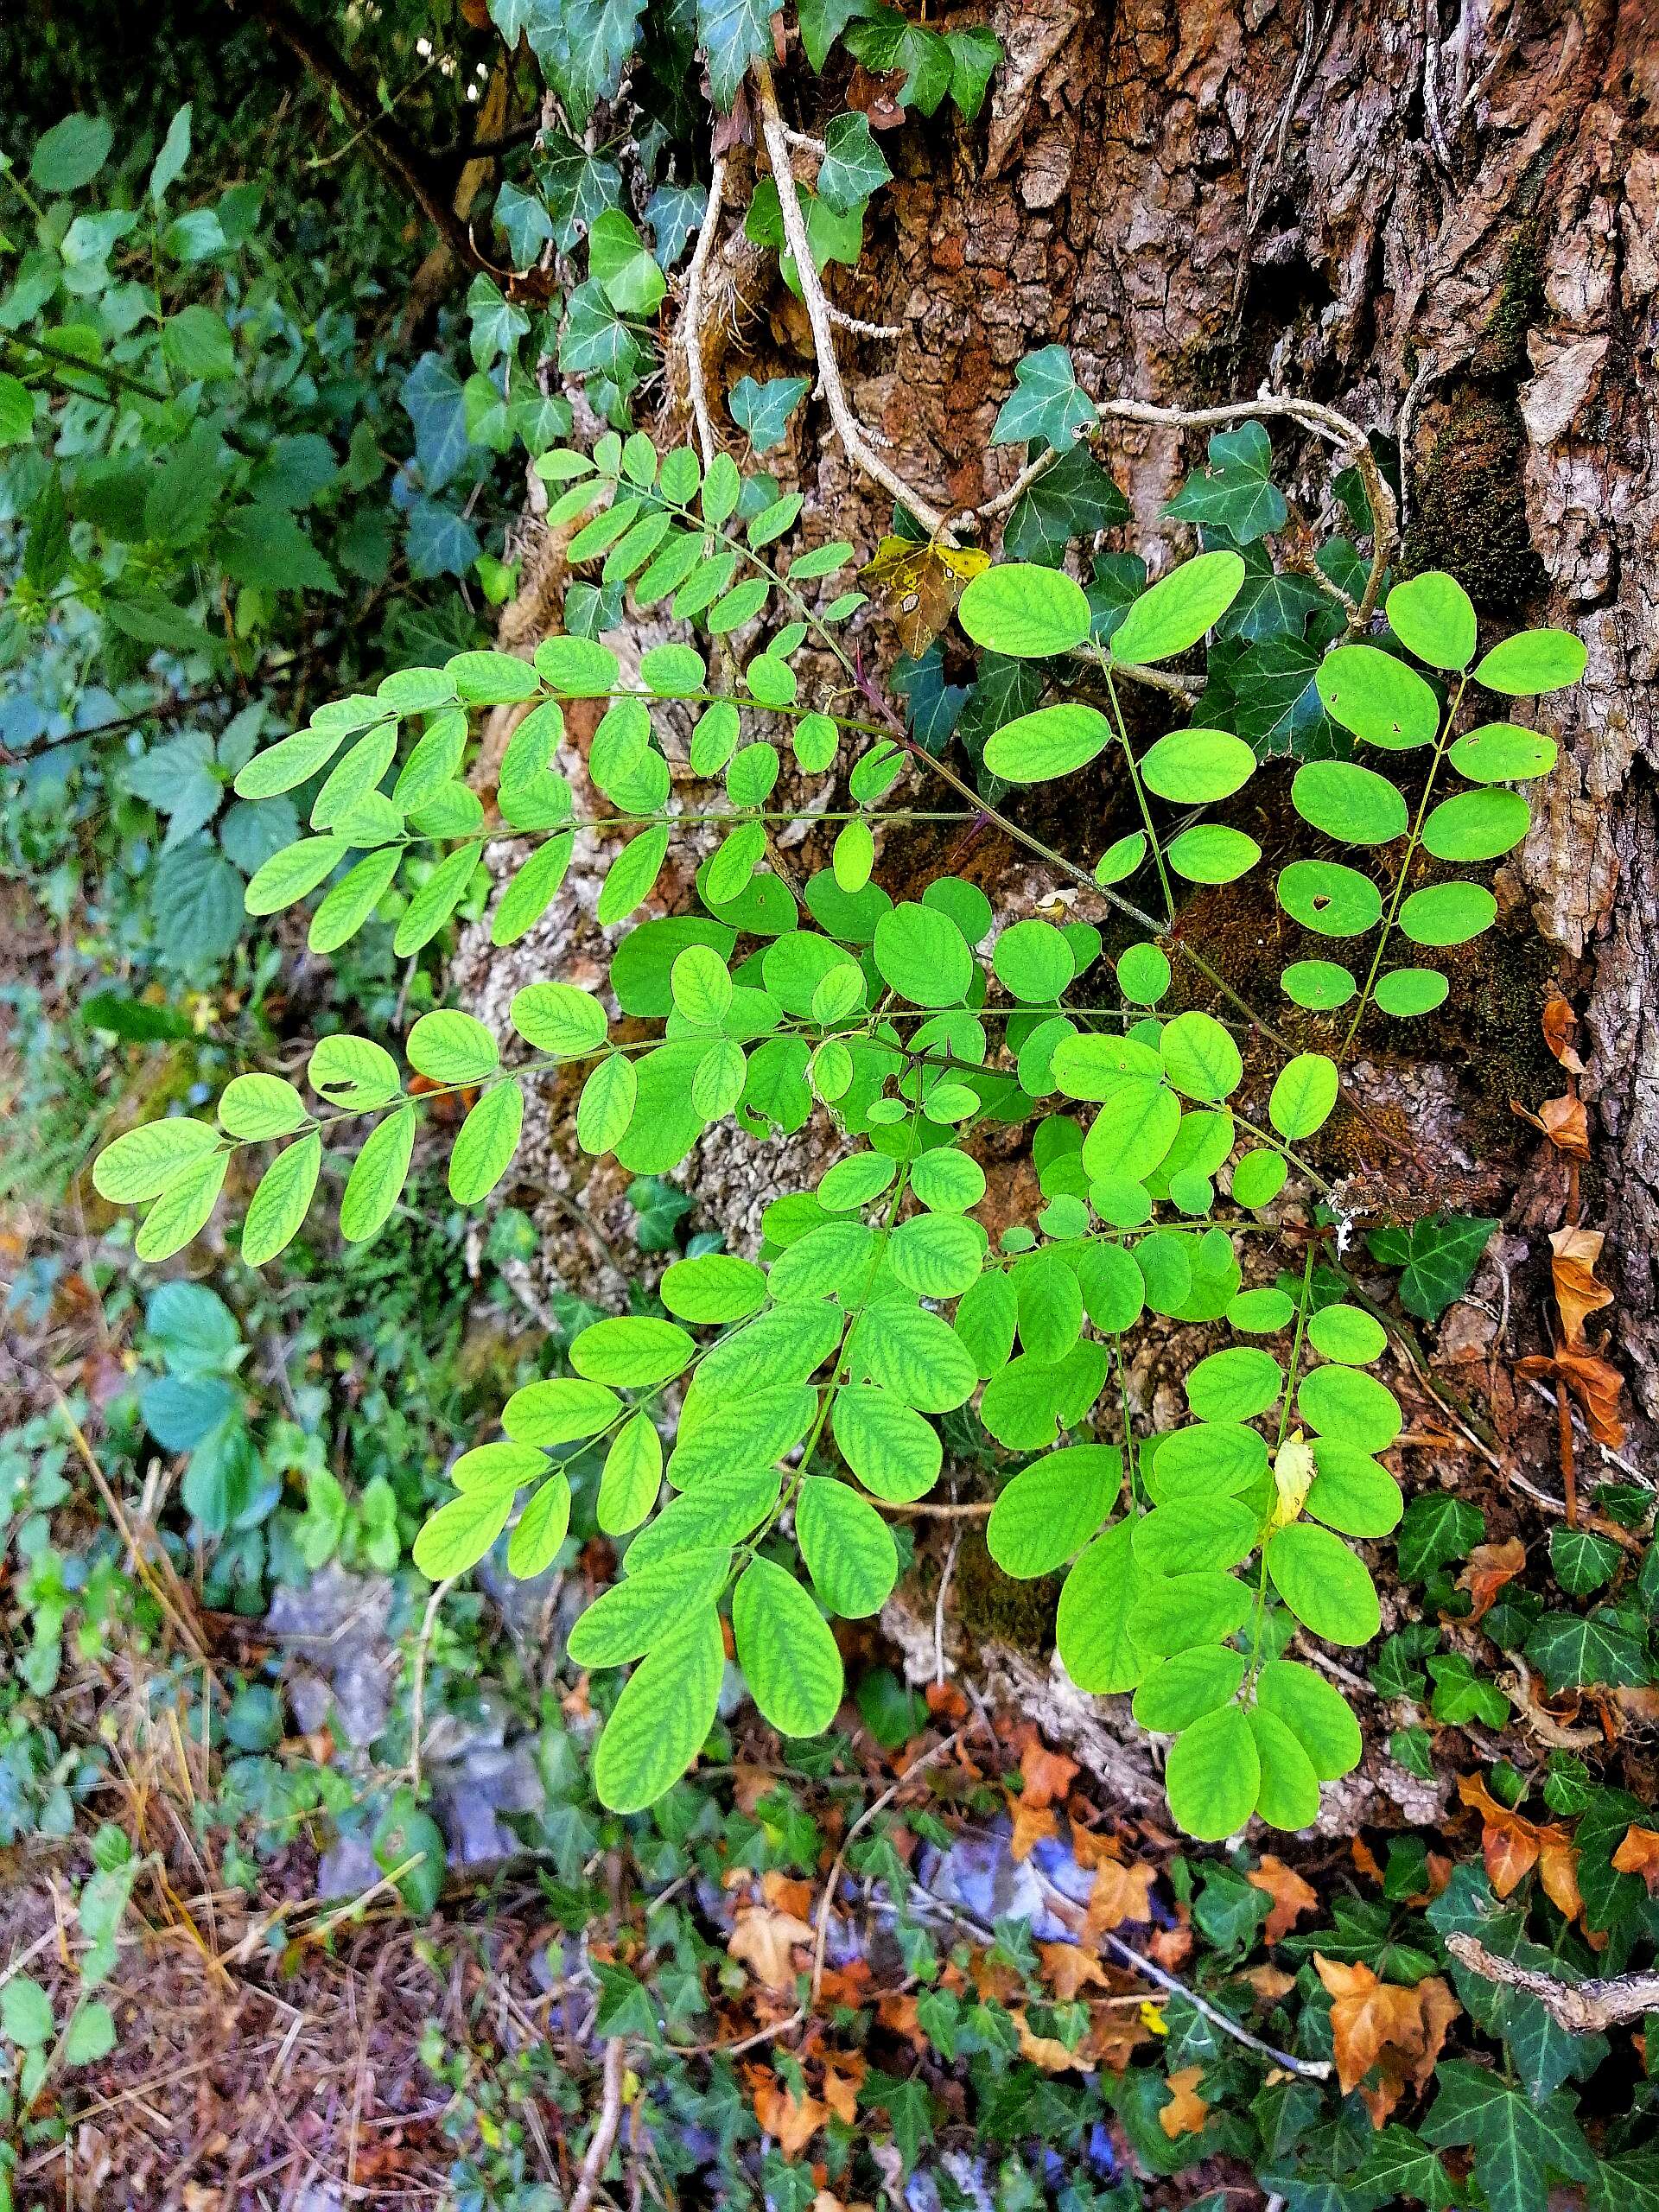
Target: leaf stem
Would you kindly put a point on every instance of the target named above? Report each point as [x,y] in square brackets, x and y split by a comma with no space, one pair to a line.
[1405,869]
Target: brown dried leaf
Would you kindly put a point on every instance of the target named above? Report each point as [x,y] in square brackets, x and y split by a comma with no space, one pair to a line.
[1186,2112]
[1031,1824]
[1119,1893]
[1594,1382]
[1489,1566]
[1291,1895]
[1068,1967]
[1574,1269]
[1561,1026]
[764,1942]
[793,2121]
[1639,1854]
[1563,1121]
[1375,2023]
[1047,1775]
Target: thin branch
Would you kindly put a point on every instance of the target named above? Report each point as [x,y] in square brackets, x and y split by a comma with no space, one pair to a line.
[854,441]
[389,145]
[1067,1909]
[1581,2008]
[603,2139]
[1336,429]
[691,332]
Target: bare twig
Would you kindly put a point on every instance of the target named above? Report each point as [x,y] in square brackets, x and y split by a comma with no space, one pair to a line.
[856,441]
[603,2139]
[691,332]
[1581,2007]
[417,1689]
[878,1805]
[1067,1909]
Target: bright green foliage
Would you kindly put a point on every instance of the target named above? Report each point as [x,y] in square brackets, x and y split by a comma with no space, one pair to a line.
[810,1381]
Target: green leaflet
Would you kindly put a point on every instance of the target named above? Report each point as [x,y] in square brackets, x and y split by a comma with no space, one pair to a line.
[1091,1632]
[1213,1775]
[634,1615]
[378,1176]
[632,1476]
[279,1205]
[633,1351]
[488,1139]
[1024,611]
[848,1548]
[534,1544]
[914,1356]
[785,1650]
[1324,1584]
[665,1710]
[892,1450]
[1051,1510]
[141,1164]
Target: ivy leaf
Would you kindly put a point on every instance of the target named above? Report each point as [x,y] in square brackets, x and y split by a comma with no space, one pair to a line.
[1235,492]
[674,212]
[932,707]
[975,56]
[1436,1529]
[1439,1256]
[1277,706]
[1517,2143]
[853,167]
[1272,602]
[496,324]
[576,185]
[594,337]
[582,47]
[1598,1650]
[823,22]
[763,409]
[888,41]
[732,33]
[1048,405]
[1073,499]
[435,401]
[524,222]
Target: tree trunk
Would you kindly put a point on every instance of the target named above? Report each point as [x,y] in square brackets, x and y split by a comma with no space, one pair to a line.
[1445,229]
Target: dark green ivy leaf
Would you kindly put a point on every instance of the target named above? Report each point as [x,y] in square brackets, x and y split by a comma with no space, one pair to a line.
[1235,492]
[1517,2143]
[1439,1256]
[853,167]
[1595,1650]
[1072,499]
[763,409]
[732,33]
[1048,406]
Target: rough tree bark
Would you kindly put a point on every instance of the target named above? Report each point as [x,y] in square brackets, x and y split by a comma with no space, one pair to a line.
[1444,222]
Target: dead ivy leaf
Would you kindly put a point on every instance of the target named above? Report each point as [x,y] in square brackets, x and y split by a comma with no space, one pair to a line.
[1578,1294]
[840,2079]
[1558,1871]
[1561,1026]
[1639,1854]
[1031,1823]
[1291,1895]
[1046,2051]
[1490,1568]
[1563,1121]
[1378,2024]
[1512,1845]
[1186,2111]
[793,2121]
[764,1942]
[1047,1775]
[1067,1967]
[1594,1382]
[1120,1893]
